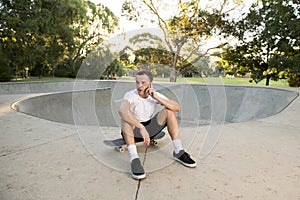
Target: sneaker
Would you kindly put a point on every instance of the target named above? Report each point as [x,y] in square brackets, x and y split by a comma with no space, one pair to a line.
[184,158]
[137,169]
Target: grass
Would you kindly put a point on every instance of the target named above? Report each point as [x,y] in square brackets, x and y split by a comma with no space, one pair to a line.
[227,81]
[33,79]
[236,81]
[198,80]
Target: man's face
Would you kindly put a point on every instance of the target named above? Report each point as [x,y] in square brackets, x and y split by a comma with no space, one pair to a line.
[142,84]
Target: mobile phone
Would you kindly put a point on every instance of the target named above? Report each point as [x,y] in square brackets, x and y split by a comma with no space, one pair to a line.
[150,86]
[146,90]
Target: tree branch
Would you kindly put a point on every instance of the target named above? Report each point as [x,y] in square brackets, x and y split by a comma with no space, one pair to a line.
[201,56]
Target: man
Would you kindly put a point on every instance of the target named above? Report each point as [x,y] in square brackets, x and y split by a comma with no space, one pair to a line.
[139,124]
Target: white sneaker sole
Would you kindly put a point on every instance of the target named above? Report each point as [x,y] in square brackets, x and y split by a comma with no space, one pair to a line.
[138,177]
[185,164]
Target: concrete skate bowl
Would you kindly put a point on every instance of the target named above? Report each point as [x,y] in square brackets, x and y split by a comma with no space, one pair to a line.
[96,104]
[92,108]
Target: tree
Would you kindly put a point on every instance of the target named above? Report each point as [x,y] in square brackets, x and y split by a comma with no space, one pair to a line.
[147,51]
[92,26]
[202,66]
[6,72]
[14,32]
[43,34]
[268,41]
[234,63]
[185,30]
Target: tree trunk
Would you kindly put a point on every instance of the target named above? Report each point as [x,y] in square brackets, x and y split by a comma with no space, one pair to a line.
[173,75]
[268,80]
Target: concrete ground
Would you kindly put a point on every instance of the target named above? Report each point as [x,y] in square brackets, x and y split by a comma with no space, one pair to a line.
[255,159]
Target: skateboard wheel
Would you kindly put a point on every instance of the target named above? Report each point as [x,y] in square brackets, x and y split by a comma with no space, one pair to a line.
[154,143]
[122,149]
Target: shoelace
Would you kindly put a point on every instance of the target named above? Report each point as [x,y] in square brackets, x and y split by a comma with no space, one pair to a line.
[186,155]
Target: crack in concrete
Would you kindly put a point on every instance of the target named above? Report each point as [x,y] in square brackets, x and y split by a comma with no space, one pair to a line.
[138,189]
[36,145]
[140,181]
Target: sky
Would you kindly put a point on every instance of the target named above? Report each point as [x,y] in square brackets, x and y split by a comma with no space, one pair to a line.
[127,26]
[116,6]
[113,5]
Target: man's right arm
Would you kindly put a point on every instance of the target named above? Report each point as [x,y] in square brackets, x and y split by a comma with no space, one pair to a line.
[128,116]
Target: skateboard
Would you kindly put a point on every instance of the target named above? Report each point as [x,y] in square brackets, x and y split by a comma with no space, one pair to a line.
[120,144]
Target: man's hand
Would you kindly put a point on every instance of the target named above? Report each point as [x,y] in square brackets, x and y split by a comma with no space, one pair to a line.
[151,91]
[145,136]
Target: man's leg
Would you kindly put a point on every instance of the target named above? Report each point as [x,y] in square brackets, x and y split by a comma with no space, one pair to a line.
[168,116]
[127,132]
[128,135]
[136,167]
[179,154]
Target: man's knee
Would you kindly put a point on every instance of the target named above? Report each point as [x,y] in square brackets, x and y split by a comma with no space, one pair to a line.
[170,113]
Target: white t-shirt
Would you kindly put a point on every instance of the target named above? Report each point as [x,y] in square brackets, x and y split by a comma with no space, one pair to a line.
[142,108]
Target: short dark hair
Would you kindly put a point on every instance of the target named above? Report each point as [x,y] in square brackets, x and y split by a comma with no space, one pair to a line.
[148,73]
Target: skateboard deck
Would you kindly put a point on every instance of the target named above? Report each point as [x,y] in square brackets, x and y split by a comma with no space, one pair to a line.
[120,144]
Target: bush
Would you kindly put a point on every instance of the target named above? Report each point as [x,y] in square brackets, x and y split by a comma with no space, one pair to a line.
[294,81]
[61,72]
[6,74]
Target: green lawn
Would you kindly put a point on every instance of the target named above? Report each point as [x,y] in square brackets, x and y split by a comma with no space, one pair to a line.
[32,79]
[235,81]
[209,80]
[227,81]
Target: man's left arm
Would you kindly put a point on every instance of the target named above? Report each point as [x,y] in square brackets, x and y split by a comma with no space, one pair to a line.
[169,104]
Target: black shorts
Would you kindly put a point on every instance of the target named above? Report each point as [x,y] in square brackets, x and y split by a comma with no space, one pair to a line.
[151,126]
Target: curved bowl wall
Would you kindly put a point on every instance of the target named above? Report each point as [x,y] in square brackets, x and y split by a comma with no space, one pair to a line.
[96,102]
